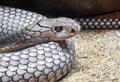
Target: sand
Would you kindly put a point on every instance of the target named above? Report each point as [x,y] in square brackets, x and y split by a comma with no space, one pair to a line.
[97,57]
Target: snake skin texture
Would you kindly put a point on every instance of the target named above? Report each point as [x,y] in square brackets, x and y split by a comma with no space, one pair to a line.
[43,60]
[42,63]
[99,23]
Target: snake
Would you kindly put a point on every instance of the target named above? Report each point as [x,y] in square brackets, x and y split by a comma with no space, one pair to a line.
[34,48]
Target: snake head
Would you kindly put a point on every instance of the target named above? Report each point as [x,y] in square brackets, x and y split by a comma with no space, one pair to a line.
[60,28]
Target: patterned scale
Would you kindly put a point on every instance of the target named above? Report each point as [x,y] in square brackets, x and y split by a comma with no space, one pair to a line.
[45,62]
[41,63]
[13,20]
[98,23]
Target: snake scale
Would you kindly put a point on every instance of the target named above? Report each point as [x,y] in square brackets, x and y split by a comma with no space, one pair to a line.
[34,48]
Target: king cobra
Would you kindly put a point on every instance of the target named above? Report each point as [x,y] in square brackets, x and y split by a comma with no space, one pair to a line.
[35,48]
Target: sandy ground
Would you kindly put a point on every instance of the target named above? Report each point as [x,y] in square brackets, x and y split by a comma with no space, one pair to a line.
[97,57]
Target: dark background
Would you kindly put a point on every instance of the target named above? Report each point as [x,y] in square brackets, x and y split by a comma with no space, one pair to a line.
[65,7]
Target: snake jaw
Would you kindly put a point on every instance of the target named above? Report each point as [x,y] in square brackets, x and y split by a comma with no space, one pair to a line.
[77,27]
[55,29]
[66,32]
[30,61]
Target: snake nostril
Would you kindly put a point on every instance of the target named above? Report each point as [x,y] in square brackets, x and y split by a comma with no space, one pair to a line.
[72,31]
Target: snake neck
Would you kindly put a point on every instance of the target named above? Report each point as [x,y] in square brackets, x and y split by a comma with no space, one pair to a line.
[19,43]
[98,23]
[21,40]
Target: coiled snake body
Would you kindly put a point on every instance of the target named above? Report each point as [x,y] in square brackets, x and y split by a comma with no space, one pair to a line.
[34,48]
[42,59]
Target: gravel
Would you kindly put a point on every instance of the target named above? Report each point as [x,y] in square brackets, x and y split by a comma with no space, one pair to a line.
[97,57]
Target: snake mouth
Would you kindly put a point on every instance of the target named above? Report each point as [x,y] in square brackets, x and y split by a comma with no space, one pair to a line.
[74,31]
[65,36]
[65,32]
[76,27]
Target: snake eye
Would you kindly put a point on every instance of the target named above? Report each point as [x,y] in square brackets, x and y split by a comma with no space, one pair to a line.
[58,28]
